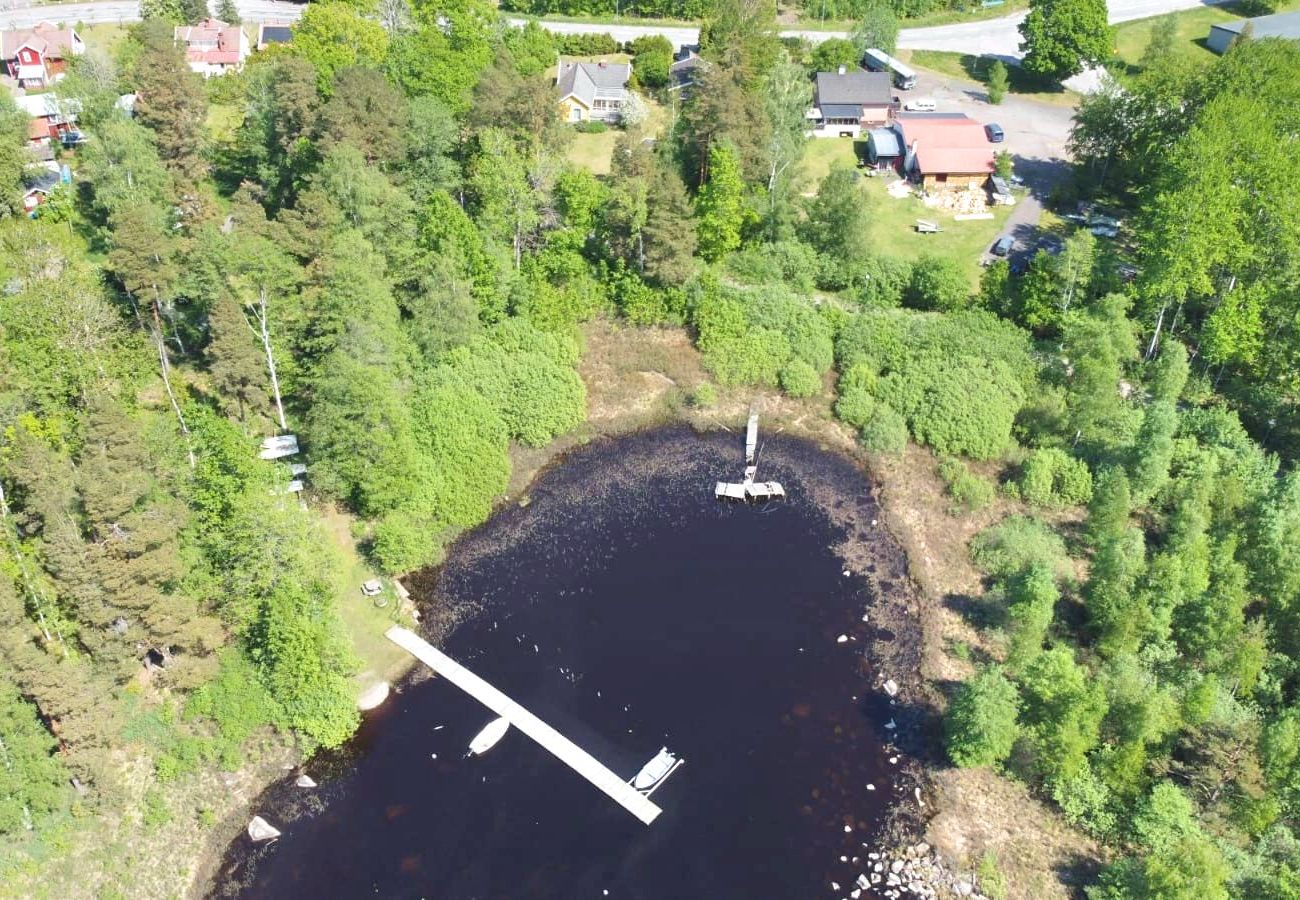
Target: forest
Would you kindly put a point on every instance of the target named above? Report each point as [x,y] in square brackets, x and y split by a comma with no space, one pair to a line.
[372,238]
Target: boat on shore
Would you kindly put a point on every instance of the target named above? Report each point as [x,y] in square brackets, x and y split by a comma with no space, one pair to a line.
[656,771]
[486,739]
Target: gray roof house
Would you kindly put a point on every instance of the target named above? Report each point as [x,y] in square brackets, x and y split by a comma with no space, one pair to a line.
[592,90]
[845,102]
[1282,25]
[687,64]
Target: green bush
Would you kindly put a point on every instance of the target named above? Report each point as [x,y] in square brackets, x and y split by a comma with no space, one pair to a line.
[1051,477]
[969,490]
[938,283]
[1017,542]
[403,541]
[980,723]
[857,388]
[959,405]
[799,379]
[591,126]
[704,396]
[885,431]
[884,280]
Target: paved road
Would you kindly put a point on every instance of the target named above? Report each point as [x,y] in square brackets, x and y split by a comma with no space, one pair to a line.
[998,37]
[18,14]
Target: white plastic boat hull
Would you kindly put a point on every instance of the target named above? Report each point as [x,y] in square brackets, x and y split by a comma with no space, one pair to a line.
[486,739]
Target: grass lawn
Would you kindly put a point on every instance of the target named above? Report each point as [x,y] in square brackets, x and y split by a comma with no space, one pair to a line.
[893,230]
[365,623]
[593,152]
[968,67]
[1191,30]
[104,37]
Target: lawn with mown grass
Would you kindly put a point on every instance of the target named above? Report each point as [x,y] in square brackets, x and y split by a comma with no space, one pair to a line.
[893,220]
[1192,27]
[969,67]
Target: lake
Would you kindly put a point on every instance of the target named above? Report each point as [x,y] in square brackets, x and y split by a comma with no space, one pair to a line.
[629,609]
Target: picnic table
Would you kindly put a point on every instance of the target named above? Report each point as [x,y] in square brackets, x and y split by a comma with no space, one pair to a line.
[925,227]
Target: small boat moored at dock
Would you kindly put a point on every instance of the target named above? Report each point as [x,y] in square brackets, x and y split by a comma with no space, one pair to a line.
[486,739]
[656,771]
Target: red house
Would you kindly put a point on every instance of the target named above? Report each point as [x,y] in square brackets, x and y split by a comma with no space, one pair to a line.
[37,56]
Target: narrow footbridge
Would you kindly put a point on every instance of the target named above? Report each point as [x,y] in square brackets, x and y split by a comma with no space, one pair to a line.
[564,749]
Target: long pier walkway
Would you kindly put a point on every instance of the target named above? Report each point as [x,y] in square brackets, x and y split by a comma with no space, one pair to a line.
[566,750]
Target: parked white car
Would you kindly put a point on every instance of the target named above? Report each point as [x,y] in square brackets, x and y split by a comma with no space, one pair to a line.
[921,104]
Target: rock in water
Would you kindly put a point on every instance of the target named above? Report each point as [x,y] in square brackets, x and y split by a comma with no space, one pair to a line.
[261,830]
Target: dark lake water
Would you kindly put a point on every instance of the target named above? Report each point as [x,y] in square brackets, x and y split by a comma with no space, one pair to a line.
[629,609]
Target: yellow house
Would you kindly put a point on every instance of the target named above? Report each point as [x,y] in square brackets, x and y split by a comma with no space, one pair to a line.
[592,90]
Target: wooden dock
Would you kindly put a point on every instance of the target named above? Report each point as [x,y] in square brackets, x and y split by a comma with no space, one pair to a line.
[564,749]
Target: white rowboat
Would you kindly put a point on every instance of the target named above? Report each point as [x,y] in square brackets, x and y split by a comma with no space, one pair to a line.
[486,739]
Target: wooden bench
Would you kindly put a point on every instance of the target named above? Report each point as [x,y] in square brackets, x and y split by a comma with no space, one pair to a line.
[924,227]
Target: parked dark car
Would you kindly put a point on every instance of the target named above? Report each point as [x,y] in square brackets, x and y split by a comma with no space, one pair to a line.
[994,133]
[1002,246]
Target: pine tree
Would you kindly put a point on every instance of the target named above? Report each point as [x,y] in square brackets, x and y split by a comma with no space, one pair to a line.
[131,602]
[172,103]
[234,359]
[669,244]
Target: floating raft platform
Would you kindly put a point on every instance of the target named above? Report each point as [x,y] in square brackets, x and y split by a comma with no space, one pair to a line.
[749,490]
[564,749]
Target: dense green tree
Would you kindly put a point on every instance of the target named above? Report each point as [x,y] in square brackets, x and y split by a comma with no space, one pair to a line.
[834,52]
[1031,601]
[877,28]
[13,154]
[980,724]
[505,201]
[938,283]
[365,111]
[838,221]
[334,35]
[669,244]
[720,206]
[171,102]
[1062,37]
[1063,709]
[33,782]
[997,82]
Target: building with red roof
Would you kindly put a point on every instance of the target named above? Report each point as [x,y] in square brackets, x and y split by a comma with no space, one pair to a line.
[214,47]
[36,57]
[944,150]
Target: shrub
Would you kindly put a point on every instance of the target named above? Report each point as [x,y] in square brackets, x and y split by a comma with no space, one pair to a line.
[792,262]
[1086,802]
[960,406]
[591,126]
[857,388]
[799,379]
[980,723]
[885,431]
[586,44]
[884,280]
[1051,477]
[1017,542]
[938,283]
[969,490]
[704,396]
